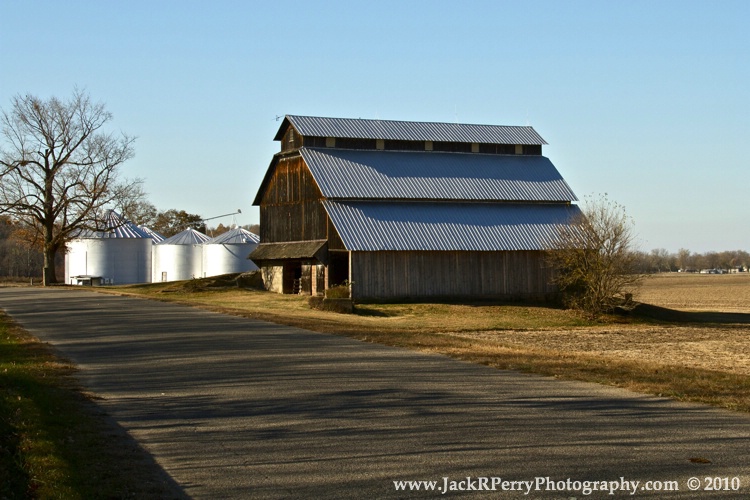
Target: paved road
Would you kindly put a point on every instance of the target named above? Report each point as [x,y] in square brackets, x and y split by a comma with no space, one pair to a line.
[236,408]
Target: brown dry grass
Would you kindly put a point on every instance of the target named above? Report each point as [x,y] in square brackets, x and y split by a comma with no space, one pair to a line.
[708,363]
[720,347]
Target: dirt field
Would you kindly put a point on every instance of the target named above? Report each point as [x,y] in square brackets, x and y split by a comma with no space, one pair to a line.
[720,347]
[698,292]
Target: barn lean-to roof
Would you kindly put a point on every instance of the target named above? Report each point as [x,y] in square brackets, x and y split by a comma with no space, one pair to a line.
[311,249]
[357,128]
[439,226]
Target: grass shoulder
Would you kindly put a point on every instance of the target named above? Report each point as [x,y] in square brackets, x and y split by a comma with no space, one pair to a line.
[54,441]
[400,317]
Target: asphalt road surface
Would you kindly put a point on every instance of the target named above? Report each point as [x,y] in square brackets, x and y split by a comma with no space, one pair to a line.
[235,408]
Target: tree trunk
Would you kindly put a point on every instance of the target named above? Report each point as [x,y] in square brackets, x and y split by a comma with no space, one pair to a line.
[48,272]
[50,251]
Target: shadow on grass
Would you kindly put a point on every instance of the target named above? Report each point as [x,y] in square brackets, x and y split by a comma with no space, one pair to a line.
[672,315]
[14,480]
[375,313]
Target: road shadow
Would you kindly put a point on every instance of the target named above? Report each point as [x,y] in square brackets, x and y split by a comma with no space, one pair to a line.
[137,466]
[675,316]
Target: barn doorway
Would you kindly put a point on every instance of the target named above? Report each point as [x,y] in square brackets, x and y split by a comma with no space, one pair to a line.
[338,268]
[291,279]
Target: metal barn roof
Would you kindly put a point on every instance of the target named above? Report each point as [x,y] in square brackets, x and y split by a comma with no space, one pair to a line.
[187,237]
[357,128]
[235,236]
[435,226]
[368,174]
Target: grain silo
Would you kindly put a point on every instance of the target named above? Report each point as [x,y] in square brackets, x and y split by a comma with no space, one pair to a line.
[179,257]
[227,253]
[118,255]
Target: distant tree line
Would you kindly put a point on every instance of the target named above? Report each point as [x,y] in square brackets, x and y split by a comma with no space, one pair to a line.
[19,257]
[660,260]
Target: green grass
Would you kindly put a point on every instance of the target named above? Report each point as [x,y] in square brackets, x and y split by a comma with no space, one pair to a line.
[34,403]
[54,442]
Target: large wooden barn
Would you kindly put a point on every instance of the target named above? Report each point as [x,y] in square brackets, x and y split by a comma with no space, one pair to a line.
[409,209]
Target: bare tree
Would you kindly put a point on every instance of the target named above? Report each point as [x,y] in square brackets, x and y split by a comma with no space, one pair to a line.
[683,258]
[661,260]
[136,208]
[59,170]
[594,259]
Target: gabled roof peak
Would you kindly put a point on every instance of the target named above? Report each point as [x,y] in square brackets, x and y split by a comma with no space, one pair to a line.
[359,128]
[189,236]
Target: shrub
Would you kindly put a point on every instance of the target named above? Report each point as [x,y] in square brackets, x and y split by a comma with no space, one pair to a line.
[342,291]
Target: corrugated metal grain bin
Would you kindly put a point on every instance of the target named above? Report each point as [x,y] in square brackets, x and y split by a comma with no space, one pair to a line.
[179,257]
[227,253]
[119,255]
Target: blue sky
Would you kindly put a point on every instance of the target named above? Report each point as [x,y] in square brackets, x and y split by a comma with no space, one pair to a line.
[645,101]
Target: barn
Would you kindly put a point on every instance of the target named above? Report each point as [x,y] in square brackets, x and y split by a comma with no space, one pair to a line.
[403,209]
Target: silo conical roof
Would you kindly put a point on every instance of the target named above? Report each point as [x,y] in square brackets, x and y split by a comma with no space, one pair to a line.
[157,237]
[236,236]
[117,227]
[188,237]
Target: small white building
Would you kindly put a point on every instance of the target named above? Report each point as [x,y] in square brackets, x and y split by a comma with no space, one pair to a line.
[227,253]
[118,255]
[179,257]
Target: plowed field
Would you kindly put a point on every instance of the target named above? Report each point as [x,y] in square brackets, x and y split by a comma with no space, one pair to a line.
[722,347]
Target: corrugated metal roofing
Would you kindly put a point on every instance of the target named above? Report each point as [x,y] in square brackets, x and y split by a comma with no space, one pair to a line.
[435,226]
[187,237]
[235,236]
[366,174]
[117,227]
[357,128]
[157,237]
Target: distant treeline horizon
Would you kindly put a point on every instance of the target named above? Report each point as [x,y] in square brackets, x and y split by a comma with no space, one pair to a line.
[661,260]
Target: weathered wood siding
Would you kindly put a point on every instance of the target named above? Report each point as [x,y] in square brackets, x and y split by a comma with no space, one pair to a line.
[291,140]
[380,275]
[334,239]
[290,209]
